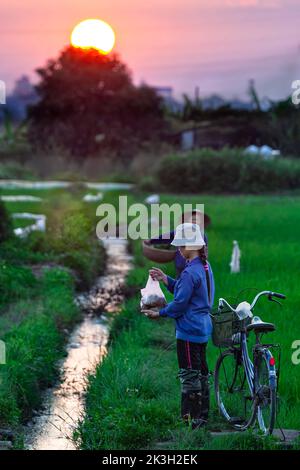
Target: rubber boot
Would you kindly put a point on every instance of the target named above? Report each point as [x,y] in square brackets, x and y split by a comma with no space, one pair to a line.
[191,408]
[205,402]
[185,408]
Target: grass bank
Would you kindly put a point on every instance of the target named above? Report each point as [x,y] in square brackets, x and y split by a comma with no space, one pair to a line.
[133,400]
[38,280]
[34,332]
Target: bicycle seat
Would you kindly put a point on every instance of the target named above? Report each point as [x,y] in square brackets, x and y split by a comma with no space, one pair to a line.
[261,327]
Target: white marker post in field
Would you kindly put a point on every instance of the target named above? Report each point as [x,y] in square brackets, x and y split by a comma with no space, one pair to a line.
[235,258]
[2,352]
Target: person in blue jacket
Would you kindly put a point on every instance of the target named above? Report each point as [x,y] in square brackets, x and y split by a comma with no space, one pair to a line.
[194,217]
[191,309]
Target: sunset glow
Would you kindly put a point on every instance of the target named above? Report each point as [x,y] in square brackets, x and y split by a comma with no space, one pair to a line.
[93,33]
[214,44]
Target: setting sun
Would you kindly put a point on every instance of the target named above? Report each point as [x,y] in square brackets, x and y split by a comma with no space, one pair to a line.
[94,34]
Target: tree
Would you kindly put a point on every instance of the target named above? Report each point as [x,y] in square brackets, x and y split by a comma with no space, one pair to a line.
[88,101]
[254,95]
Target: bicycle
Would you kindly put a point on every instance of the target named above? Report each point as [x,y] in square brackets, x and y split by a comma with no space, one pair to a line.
[245,390]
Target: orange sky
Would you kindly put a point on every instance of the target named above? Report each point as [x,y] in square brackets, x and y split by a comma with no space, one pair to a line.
[215,44]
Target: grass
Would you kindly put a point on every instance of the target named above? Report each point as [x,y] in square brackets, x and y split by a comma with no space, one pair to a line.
[226,171]
[133,400]
[16,282]
[70,238]
[36,313]
[11,170]
[34,344]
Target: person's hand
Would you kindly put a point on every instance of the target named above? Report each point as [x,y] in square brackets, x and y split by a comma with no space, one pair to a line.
[153,314]
[158,275]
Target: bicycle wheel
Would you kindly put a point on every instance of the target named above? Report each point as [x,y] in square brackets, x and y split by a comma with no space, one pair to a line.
[265,392]
[233,396]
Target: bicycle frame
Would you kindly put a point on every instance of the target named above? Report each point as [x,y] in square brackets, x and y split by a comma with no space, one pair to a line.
[260,350]
[249,367]
[248,364]
[261,398]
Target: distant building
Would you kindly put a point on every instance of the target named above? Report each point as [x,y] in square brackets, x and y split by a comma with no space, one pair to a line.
[241,105]
[166,93]
[2,92]
[187,139]
[213,102]
[24,89]
[17,103]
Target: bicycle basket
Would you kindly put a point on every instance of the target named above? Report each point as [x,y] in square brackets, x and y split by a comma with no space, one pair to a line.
[225,325]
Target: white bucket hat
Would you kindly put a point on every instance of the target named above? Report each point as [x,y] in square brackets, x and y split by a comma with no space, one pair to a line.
[188,235]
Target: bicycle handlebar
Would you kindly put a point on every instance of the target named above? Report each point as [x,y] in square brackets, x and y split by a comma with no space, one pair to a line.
[270,294]
[276,294]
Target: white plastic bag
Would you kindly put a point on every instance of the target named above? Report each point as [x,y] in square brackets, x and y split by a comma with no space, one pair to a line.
[152,295]
[243,310]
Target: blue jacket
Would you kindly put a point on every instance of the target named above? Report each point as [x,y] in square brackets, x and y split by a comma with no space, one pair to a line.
[180,261]
[190,307]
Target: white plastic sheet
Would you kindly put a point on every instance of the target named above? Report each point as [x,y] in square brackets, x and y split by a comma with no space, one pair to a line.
[93,197]
[266,152]
[39,225]
[152,199]
[20,198]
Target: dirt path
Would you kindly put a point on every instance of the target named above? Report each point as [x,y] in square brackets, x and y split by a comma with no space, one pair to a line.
[63,405]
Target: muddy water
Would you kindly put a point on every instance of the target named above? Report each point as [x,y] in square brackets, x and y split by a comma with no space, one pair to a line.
[53,425]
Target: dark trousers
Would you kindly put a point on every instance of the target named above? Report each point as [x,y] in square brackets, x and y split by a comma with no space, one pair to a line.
[192,356]
[193,374]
